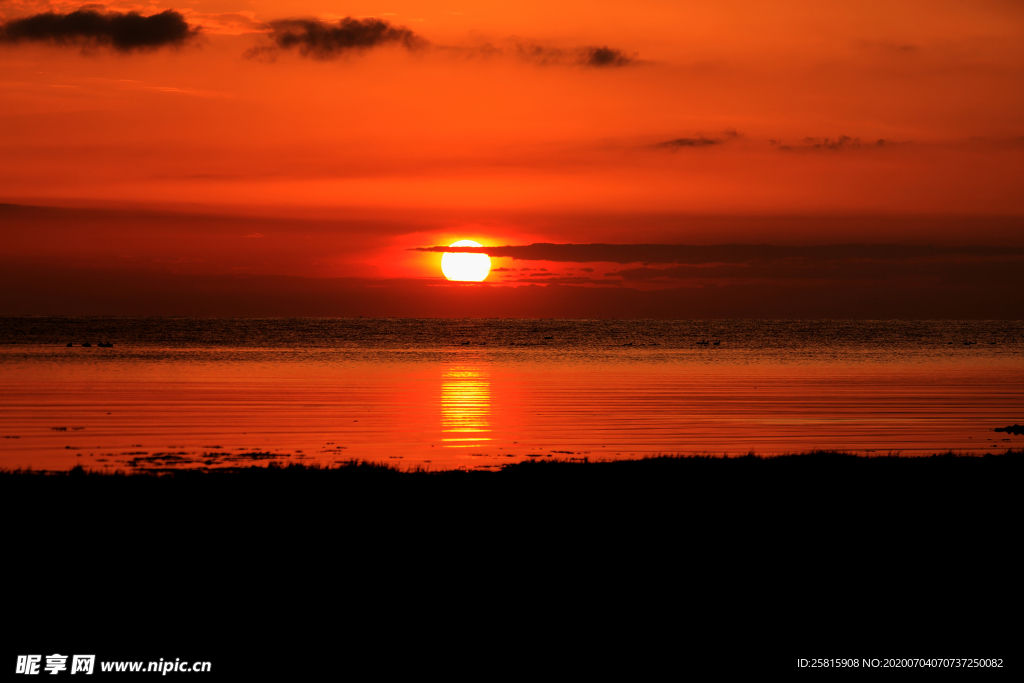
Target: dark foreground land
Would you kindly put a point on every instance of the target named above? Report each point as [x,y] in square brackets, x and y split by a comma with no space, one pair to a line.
[815,488]
[627,564]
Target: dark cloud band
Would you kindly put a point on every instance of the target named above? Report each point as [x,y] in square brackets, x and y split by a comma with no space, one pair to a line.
[321,40]
[121,31]
[950,269]
[726,253]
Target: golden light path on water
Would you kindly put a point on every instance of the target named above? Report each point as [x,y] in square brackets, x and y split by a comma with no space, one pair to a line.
[465,408]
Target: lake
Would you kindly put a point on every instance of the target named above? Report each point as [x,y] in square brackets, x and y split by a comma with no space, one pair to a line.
[445,394]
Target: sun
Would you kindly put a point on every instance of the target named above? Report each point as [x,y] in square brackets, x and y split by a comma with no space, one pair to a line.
[465,267]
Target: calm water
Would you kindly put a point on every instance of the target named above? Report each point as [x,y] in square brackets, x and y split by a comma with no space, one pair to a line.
[185,392]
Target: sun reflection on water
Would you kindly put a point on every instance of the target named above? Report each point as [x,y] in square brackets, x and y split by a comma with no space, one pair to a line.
[465,408]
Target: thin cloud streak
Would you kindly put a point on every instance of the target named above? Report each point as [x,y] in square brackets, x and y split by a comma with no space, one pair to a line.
[687,142]
[724,253]
[699,141]
[843,142]
[599,57]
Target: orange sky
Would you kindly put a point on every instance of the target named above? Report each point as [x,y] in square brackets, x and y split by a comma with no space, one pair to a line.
[738,122]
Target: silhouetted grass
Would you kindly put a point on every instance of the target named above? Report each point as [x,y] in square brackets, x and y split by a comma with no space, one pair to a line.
[822,479]
[817,460]
[945,503]
[811,539]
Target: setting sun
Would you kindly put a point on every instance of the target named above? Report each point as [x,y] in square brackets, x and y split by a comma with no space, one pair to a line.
[465,267]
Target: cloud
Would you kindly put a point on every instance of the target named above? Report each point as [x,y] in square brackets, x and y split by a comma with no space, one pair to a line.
[90,27]
[727,253]
[953,269]
[748,263]
[688,142]
[590,56]
[840,143]
[604,57]
[699,141]
[550,279]
[321,40]
[528,51]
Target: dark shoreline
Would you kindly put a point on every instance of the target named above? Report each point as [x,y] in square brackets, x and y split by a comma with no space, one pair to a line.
[825,480]
[816,459]
[840,489]
[811,555]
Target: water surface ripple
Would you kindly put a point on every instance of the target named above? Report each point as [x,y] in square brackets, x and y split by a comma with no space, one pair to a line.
[184,392]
